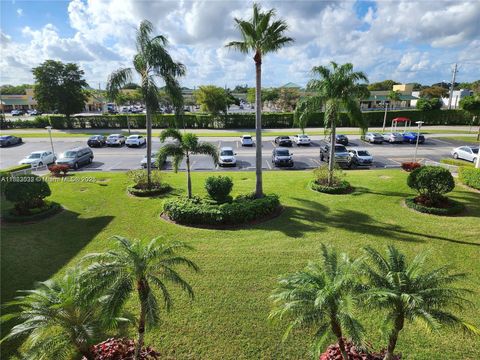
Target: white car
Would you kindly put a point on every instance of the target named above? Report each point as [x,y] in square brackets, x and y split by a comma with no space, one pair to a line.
[246,140]
[135,140]
[115,140]
[302,139]
[393,137]
[39,158]
[227,157]
[469,153]
[359,157]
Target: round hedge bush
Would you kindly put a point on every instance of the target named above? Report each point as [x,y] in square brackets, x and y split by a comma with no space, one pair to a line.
[431,182]
[48,209]
[27,192]
[341,188]
[243,209]
[219,187]
[156,190]
[453,207]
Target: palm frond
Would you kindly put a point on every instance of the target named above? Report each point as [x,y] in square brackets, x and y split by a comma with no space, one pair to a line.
[206,148]
[171,133]
[116,81]
[173,150]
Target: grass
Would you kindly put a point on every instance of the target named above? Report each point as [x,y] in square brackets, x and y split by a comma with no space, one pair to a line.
[465,139]
[457,162]
[216,133]
[228,319]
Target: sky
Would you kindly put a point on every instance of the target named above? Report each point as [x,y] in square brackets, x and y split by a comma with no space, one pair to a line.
[408,41]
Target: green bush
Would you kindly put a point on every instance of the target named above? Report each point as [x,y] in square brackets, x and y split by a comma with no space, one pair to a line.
[219,187]
[431,183]
[340,188]
[140,186]
[452,207]
[320,182]
[26,192]
[243,209]
[470,177]
[17,168]
[424,104]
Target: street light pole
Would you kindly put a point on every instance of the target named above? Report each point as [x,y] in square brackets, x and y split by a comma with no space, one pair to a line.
[385,117]
[419,123]
[49,128]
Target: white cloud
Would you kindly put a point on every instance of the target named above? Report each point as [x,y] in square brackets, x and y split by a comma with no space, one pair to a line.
[19,12]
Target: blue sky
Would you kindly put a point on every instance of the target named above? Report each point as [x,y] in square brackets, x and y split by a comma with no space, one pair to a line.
[408,41]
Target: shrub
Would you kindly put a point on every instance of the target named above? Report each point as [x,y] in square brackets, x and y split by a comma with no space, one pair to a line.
[431,182]
[243,209]
[26,192]
[48,209]
[424,104]
[449,207]
[17,168]
[219,187]
[341,188]
[470,177]
[56,170]
[456,162]
[118,349]
[354,353]
[410,166]
[140,183]
[320,181]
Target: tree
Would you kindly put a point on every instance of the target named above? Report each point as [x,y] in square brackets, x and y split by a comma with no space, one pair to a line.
[338,89]
[131,86]
[15,89]
[287,99]
[212,99]
[241,89]
[382,85]
[471,104]
[411,292]
[320,296]
[56,319]
[426,104]
[151,61]
[418,86]
[184,146]
[393,96]
[434,92]
[260,35]
[59,86]
[134,267]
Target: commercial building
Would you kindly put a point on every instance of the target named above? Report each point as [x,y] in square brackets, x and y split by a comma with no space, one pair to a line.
[23,102]
[378,99]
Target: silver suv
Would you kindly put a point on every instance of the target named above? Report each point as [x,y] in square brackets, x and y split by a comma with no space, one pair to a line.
[76,157]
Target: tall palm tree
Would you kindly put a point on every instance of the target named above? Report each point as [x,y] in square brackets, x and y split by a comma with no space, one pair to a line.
[411,292]
[135,267]
[260,35]
[338,89]
[320,296]
[55,318]
[184,146]
[152,60]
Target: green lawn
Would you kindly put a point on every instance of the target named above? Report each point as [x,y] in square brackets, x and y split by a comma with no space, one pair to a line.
[228,319]
[466,139]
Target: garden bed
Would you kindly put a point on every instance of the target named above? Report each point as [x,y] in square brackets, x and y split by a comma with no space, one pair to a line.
[341,188]
[446,208]
[155,191]
[49,209]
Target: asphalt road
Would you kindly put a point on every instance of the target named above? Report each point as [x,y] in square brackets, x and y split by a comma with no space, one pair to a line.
[123,158]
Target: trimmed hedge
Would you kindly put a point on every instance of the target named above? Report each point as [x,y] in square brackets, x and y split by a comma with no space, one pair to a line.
[158,190]
[241,210]
[470,177]
[16,168]
[457,162]
[230,121]
[343,188]
[49,209]
[455,208]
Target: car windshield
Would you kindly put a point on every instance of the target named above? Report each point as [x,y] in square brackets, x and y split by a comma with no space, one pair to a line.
[284,138]
[303,136]
[247,138]
[475,150]
[4,137]
[340,136]
[69,154]
[282,152]
[226,153]
[340,148]
[133,137]
[377,134]
[113,137]
[34,156]
[363,153]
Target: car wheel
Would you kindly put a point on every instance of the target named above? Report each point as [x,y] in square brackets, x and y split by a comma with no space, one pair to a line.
[75,166]
[474,160]
[321,157]
[8,144]
[455,155]
[90,160]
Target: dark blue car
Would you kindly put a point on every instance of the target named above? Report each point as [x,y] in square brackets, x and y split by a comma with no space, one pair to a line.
[411,137]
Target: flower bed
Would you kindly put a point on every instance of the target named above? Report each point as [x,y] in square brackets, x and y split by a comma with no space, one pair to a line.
[115,349]
[343,187]
[48,209]
[155,190]
[445,208]
[243,209]
[354,353]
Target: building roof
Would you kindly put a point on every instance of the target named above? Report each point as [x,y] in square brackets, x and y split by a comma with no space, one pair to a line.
[385,98]
[291,85]
[15,102]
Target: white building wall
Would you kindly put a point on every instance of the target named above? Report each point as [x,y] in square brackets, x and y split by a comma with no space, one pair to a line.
[457,96]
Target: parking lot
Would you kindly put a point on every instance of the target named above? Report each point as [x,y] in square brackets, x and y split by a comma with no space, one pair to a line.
[123,158]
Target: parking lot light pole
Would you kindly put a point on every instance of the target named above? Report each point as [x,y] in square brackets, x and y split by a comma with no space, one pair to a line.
[419,123]
[385,116]
[49,128]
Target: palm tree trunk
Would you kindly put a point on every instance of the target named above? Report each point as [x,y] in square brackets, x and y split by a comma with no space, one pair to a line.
[149,147]
[143,289]
[189,180]
[337,330]
[258,125]
[392,340]
[331,158]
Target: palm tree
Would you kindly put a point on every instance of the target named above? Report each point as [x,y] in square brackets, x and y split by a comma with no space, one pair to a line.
[260,35]
[392,96]
[410,292]
[185,145]
[320,296]
[338,90]
[152,60]
[56,319]
[133,266]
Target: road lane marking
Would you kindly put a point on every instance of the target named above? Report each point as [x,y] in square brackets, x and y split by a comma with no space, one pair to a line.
[268,165]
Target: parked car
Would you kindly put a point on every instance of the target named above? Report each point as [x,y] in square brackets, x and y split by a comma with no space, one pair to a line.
[246,140]
[115,140]
[135,140]
[112,111]
[341,139]
[153,161]
[411,137]
[393,137]
[360,158]
[282,157]
[227,157]
[342,156]
[39,158]
[8,140]
[76,157]
[34,112]
[283,141]
[374,138]
[96,141]
[469,153]
[17,112]
[302,139]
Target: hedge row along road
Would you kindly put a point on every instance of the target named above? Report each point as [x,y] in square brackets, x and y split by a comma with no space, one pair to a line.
[111,159]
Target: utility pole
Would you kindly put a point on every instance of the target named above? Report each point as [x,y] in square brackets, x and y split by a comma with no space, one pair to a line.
[454,75]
